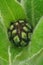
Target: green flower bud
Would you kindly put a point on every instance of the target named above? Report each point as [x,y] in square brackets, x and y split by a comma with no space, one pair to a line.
[19,33]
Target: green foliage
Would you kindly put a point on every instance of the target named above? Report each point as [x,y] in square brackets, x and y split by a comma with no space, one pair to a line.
[29,55]
[34,10]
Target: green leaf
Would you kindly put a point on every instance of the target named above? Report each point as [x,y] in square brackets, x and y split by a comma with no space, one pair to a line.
[19,0]
[9,54]
[4,43]
[36,59]
[11,11]
[33,53]
[33,9]
[37,38]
